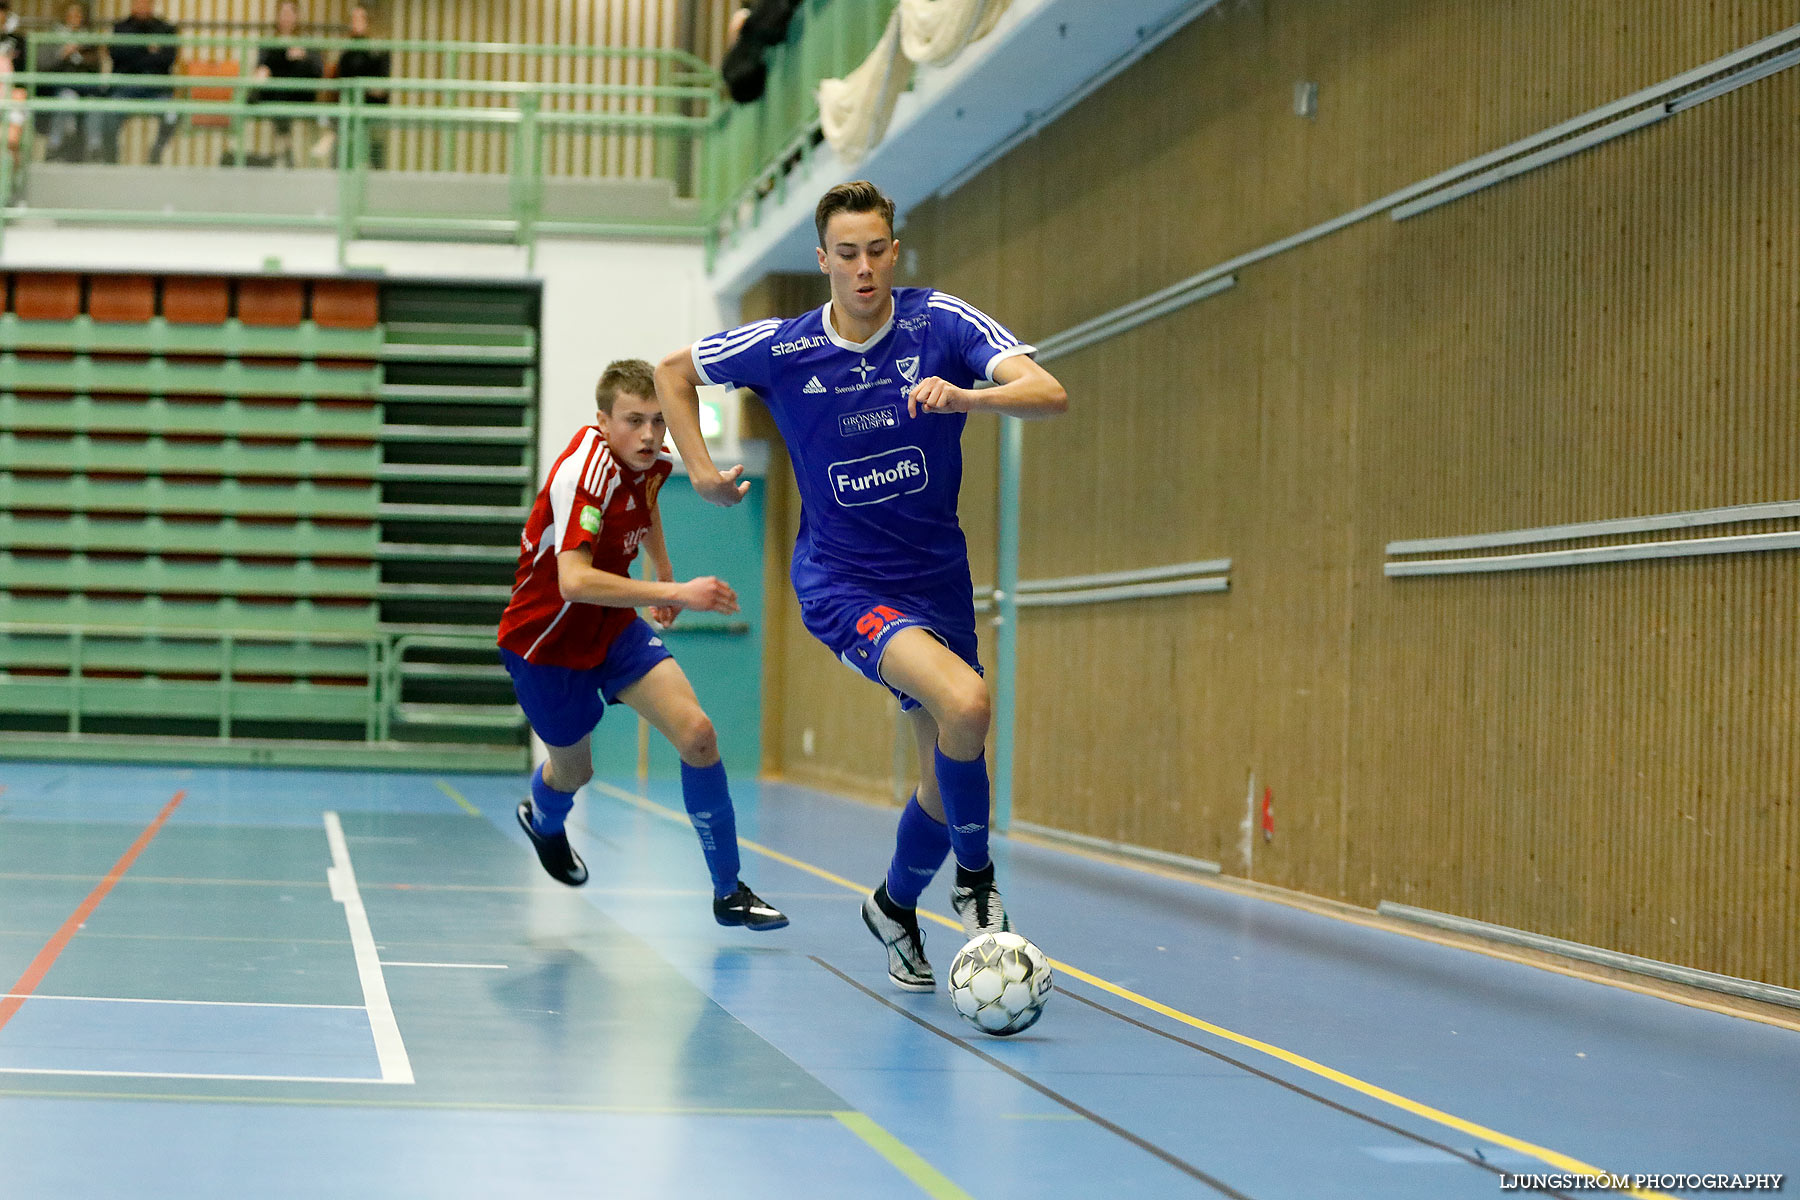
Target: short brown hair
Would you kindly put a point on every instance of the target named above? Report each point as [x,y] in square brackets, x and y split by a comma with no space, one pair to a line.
[858,196]
[632,375]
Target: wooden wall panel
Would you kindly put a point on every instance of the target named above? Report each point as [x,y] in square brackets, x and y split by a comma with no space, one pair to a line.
[1603,754]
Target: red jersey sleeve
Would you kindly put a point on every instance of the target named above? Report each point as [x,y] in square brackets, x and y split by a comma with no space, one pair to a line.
[579,495]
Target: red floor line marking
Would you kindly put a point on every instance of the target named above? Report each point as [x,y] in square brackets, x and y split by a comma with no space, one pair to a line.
[59,941]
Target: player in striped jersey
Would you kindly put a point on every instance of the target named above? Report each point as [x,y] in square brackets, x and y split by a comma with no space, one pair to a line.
[573,642]
[870,393]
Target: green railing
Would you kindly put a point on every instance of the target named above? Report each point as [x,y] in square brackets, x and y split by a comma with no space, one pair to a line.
[524,130]
[78,675]
[726,157]
[756,145]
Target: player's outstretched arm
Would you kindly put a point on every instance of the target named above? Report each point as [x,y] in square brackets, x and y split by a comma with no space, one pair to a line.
[678,389]
[580,581]
[1024,390]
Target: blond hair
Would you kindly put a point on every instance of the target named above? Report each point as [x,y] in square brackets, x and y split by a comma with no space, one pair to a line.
[632,375]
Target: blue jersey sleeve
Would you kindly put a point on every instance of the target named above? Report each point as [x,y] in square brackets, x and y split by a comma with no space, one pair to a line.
[975,339]
[738,357]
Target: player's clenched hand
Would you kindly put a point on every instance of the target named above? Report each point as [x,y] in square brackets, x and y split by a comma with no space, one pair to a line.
[707,594]
[934,395]
[724,488]
[664,614]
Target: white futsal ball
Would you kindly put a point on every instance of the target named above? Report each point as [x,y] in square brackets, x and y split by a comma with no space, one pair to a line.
[999,983]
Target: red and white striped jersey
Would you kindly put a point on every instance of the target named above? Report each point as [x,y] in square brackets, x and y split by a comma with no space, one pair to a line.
[589,500]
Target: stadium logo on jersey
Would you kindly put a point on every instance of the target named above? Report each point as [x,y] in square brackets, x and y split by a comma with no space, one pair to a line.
[879,477]
[868,421]
[909,368]
[813,387]
[781,348]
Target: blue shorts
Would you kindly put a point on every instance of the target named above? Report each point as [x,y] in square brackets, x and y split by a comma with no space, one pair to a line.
[564,704]
[856,623]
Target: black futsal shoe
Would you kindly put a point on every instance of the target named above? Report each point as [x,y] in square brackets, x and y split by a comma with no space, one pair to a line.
[553,851]
[743,907]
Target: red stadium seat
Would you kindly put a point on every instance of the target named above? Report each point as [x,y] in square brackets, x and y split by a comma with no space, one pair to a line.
[46,296]
[196,300]
[271,301]
[345,303]
[121,298]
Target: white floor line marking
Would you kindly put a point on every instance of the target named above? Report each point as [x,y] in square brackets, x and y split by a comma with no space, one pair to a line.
[196,1075]
[202,1003]
[388,962]
[390,1051]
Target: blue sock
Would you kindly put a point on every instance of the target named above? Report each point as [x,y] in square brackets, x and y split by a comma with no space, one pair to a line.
[708,800]
[964,786]
[920,846]
[549,807]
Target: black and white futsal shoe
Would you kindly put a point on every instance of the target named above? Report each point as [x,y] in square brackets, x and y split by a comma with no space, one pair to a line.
[898,929]
[743,907]
[553,851]
[977,902]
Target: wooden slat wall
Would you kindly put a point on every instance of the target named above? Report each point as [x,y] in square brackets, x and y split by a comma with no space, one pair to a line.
[1604,754]
[625,23]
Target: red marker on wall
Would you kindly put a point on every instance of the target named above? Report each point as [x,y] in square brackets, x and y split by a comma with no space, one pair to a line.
[1268,814]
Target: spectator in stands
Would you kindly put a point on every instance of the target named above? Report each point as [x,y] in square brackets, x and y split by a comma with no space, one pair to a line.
[288,62]
[142,60]
[12,53]
[12,42]
[358,63]
[753,29]
[73,136]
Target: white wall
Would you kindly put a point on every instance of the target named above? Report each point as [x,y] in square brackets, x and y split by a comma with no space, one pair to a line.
[602,299]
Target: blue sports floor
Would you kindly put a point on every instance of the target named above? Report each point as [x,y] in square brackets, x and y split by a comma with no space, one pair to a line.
[270,983]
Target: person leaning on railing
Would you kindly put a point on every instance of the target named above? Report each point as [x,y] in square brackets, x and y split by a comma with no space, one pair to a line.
[79,60]
[141,60]
[360,63]
[12,56]
[288,62]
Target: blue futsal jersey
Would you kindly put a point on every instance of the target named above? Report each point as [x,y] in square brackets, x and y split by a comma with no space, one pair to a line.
[878,488]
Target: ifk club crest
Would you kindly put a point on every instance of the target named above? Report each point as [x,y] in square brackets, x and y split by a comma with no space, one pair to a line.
[909,368]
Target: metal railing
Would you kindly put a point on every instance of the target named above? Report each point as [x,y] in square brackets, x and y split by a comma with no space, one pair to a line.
[95,680]
[757,145]
[642,115]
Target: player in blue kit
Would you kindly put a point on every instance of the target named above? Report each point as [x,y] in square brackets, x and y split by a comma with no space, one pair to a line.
[870,393]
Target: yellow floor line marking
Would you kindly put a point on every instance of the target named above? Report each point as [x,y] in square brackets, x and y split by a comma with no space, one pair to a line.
[628,1110]
[458,797]
[1373,1091]
[904,1158]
